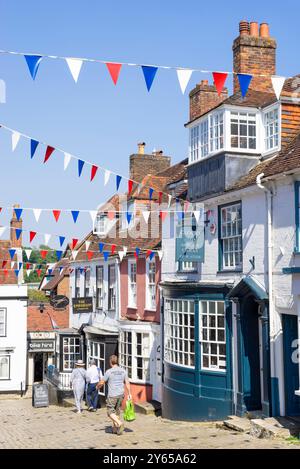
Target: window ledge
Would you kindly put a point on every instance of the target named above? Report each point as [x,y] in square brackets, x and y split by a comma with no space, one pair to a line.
[187,272]
[230,271]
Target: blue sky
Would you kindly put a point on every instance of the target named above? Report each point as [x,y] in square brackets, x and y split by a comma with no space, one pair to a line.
[93,118]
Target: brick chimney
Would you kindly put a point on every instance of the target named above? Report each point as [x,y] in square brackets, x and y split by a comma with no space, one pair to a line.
[254,52]
[14,223]
[203,98]
[141,163]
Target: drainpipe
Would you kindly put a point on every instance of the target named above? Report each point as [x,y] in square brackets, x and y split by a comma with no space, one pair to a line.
[269,194]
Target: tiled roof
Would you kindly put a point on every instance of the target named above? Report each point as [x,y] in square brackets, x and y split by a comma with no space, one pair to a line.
[57,277]
[37,321]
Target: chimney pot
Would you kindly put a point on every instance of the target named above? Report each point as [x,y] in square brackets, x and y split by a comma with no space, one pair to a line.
[204,82]
[254,29]
[264,30]
[244,28]
[141,148]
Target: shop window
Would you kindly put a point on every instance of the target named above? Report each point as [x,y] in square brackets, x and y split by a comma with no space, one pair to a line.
[135,355]
[70,352]
[212,335]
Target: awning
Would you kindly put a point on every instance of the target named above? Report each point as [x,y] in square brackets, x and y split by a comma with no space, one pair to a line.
[248,285]
[103,330]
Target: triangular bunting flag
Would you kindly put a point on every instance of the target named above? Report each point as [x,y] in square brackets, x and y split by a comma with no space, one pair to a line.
[20,265]
[74,243]
[148,253]
[28,253]
[160,194]
[56,214]
[37,213]
[93,214]
[5,272]
[146,215]
[114,70]
[47,238]
[33,147]
[89,255]
[149,74]
[125,250]
[121,255]
[87,245]
[33,63]
[277,83]
[113,249]
[75,67]
[67,159]
[128,217]
[106,176]
[32,235]
[49,151]
[2,229]
[28,272]
[183,78]
[80,167]
[130,185]
[151,255]
[59,255]
[111,215]
[94,171]
[101,246]
[39,271]
[18,232]
[18,212]
[136,252]
[160,255]
[15,137]
[75,214]
[12,252]
[43,253]
[60,270]
[163,215]
[219,80]
[17,271]
[197,214]
[105,255]
[118,181]
[61,240]
[244,81]
[169,200]
[12,265]
[74,254]
[150,193]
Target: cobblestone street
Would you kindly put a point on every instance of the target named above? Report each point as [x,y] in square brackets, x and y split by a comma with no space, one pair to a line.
[23,426]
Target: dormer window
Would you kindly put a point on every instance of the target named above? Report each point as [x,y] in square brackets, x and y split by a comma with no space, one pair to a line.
[101,226]
[235,129]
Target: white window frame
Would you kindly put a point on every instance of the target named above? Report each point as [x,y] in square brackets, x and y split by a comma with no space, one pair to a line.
[179,332]
[132,286]
[87,282]
[187,266]
[212,335]
[112,287]
[7,356]
[99,289]
[151,285]
[249,117]
[266,112]
[71,353]
[135,356]
[231,239]
[3,322]
[95,350]
[101,224]
[216,131]
[77,282]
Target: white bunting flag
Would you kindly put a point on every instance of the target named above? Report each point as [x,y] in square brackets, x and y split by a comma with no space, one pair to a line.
[125,250]
[93,214]
[75,67]
[146,215]
[277,83]
[183,78]
[160,255]
[2,229]
[28,253]
[12,265]
[67,159]
[121,255]
[106,176]
[197,214]
[47,238]
[169,200]
[87,245]
[139,188]
[28,272]
[74,254]
[15,137]
[37,213]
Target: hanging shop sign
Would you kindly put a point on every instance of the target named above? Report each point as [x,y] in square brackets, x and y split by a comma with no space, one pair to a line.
[41,345]
[82,305]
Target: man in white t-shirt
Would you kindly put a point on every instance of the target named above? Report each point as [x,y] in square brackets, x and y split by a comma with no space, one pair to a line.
[93,375]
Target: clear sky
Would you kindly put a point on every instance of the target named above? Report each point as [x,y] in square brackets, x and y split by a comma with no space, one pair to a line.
[93,118]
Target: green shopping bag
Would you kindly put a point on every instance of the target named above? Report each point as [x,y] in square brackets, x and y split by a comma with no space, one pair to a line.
[129,413]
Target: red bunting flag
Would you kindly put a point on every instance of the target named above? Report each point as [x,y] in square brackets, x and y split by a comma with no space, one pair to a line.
[114,70]
[130,185]
[48,153]
[219,80]
[32,234]
[89,255]
[94,171]
[43,253]
[27,265]
[113,248]
[39,271]
[111,215]
[160,194]
[5,272]
[4,264]
[56,214]
[74,242]
[163,215]
[148,253]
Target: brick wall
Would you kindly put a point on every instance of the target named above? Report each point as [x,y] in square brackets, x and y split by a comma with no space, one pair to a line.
[63,287]
[290,122]
[203,98]
[142,164]
[37,321]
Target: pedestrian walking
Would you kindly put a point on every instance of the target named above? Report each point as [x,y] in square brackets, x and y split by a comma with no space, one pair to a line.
[93,376]
[116,379]
[78,378]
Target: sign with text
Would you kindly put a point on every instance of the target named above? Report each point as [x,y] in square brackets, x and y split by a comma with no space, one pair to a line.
[190,240]
[40,396]
[41,345]
[82,305]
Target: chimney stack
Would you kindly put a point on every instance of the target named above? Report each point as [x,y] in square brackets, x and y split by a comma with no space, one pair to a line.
[204,97]
[141,163]
[254,53]
[141,148]
[15,224]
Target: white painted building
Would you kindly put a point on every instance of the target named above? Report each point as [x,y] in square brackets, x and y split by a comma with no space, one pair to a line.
[13,338]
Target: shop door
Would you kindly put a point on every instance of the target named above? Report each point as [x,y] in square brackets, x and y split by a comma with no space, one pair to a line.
[291,365]
[38,367]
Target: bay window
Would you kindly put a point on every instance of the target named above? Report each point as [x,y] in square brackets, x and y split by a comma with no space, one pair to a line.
[271,123]
[99,287]
[243,130]
[216,137]
[194,143]
[230,236]
[132,283]
[212,335]
[135,354]
[151,285]
[179,332]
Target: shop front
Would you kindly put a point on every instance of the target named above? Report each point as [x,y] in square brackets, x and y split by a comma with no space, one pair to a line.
[41,355]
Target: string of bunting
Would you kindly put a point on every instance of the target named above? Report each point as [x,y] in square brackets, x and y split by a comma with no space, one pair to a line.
[94,169]
[149,72]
